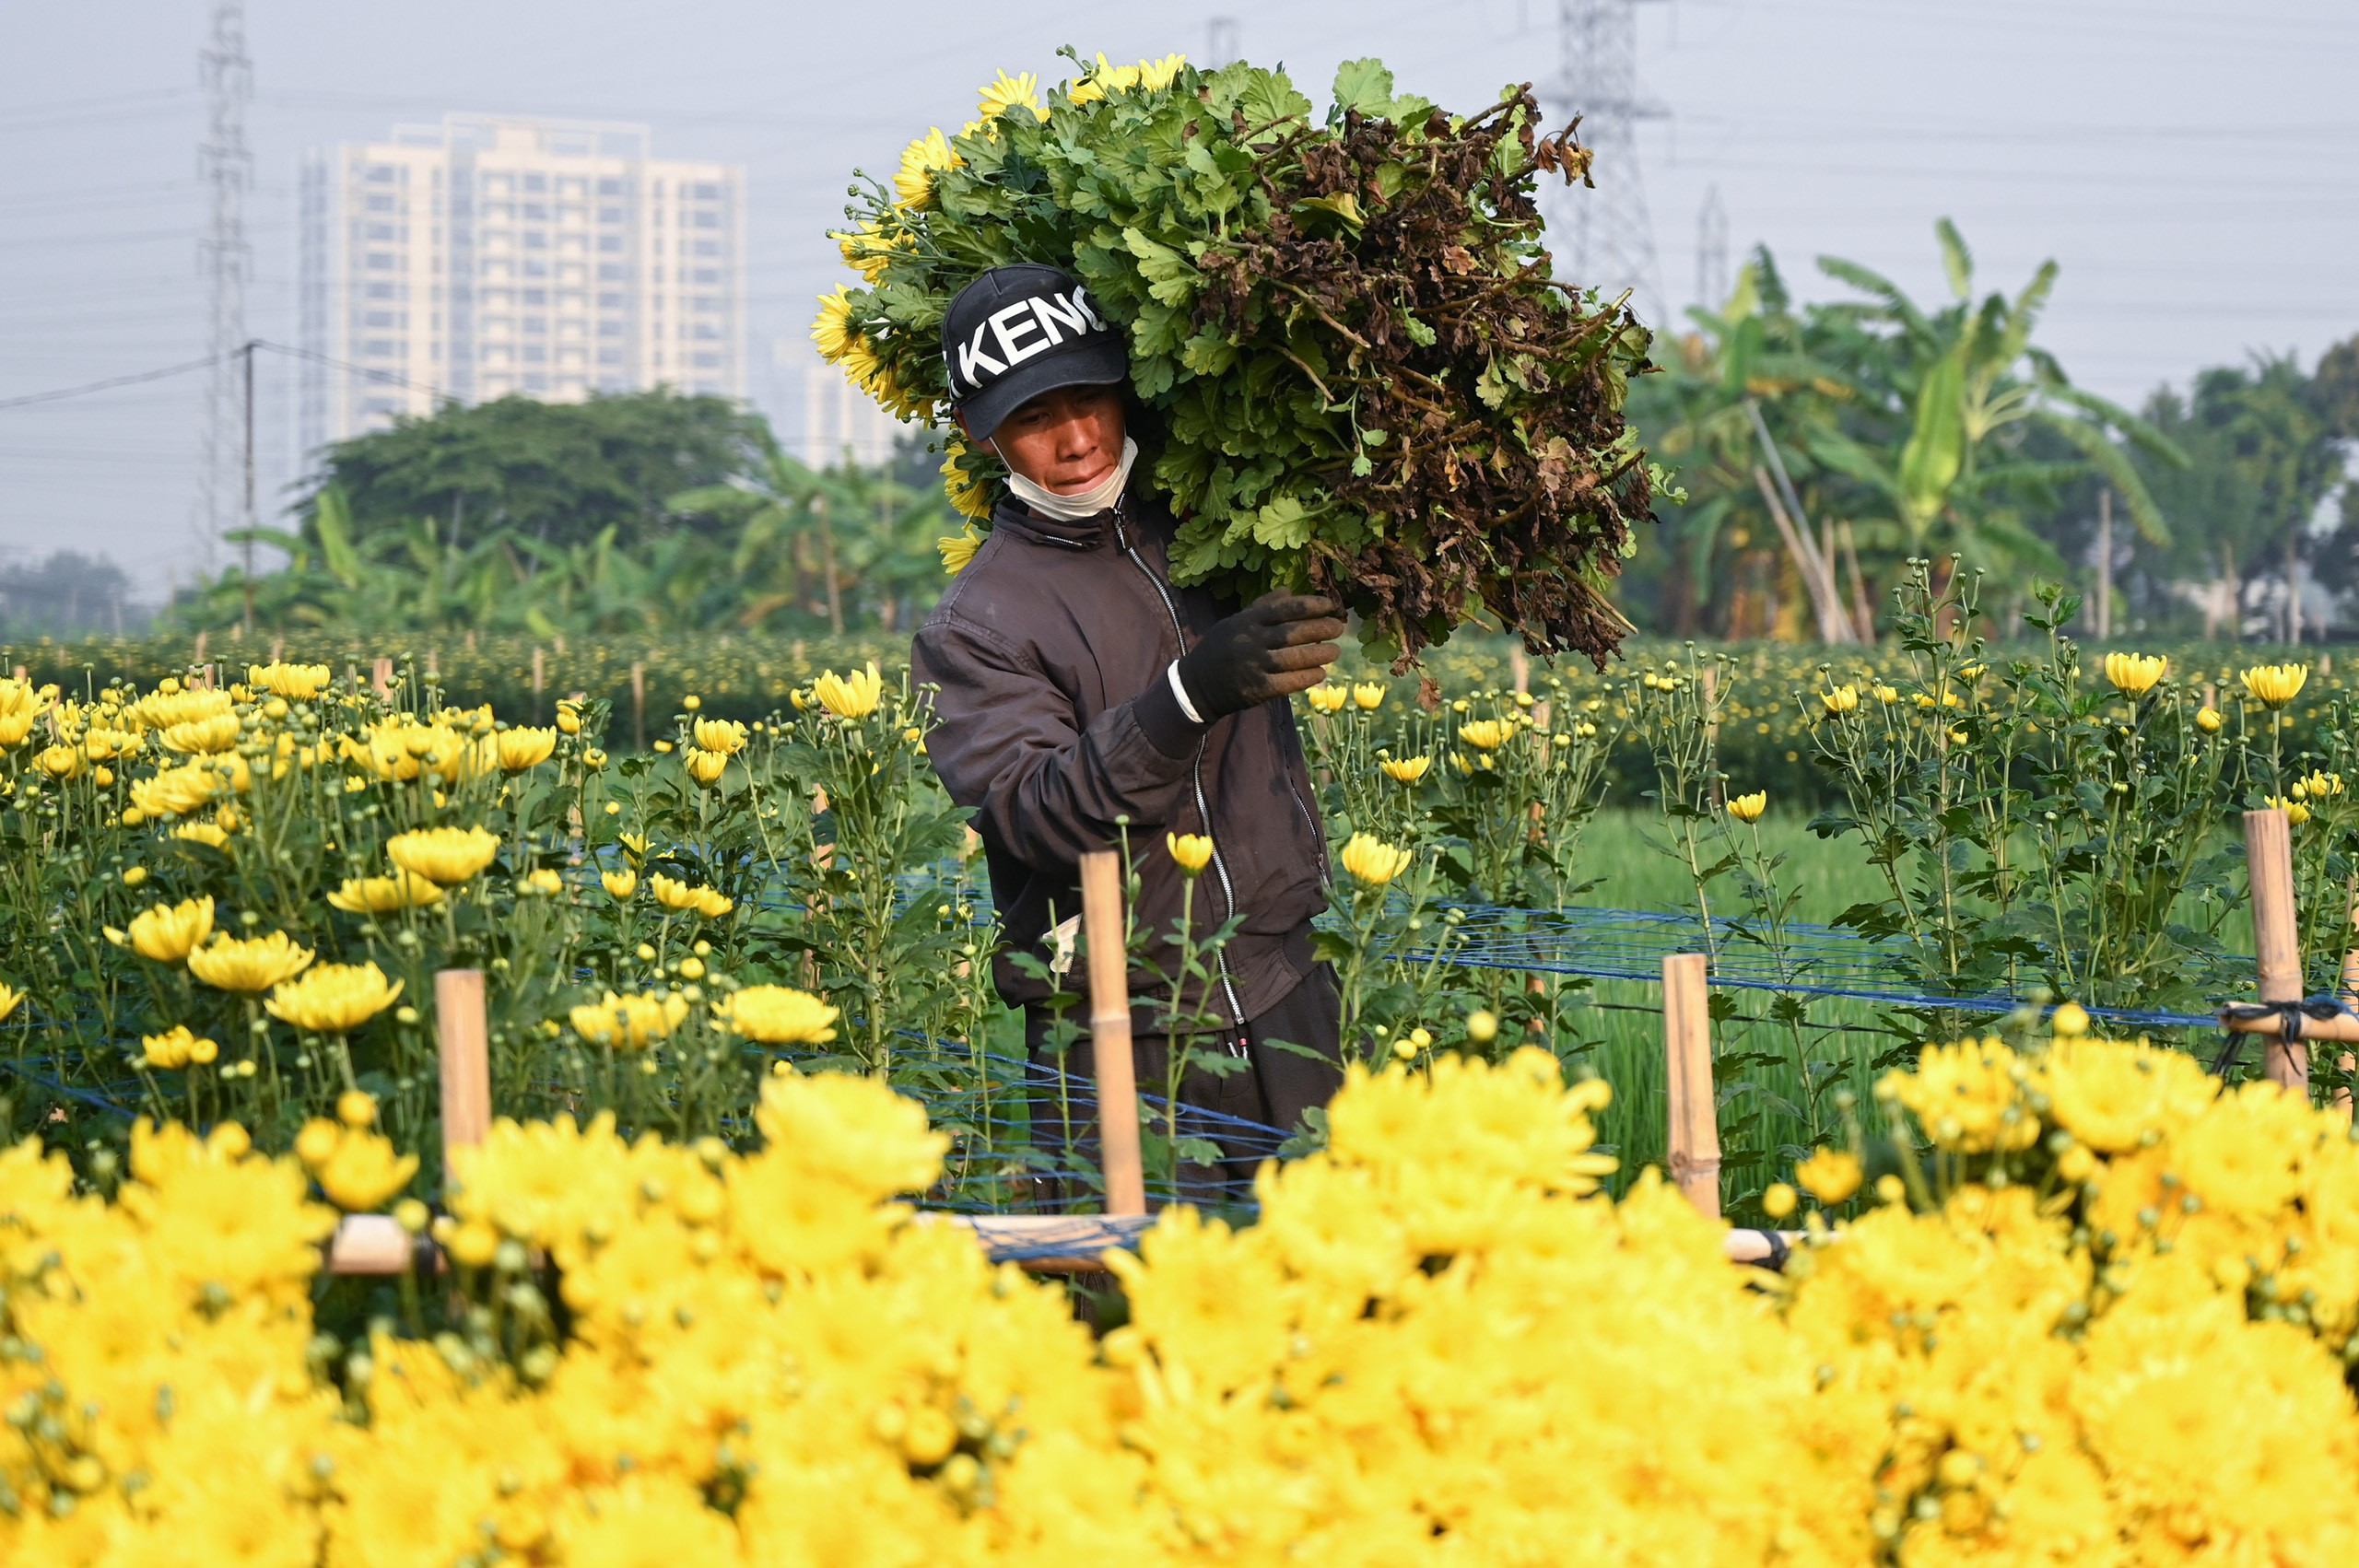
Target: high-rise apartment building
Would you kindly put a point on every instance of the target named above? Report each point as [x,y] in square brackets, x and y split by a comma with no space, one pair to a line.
[492,254]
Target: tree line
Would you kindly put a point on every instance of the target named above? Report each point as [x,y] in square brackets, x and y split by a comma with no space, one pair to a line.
[1821,444]
[637,511]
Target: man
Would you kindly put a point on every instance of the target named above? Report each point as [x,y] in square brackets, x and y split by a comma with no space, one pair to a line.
[1082,693]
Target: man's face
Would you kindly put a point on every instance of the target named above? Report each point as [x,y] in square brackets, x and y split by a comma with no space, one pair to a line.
[1064,441]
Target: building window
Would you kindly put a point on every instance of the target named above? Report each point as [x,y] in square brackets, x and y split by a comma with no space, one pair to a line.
[610,214]
[537,354]
[536,212]
[380,261]
[614,271]
[380,349]
[610,187]
[706,275]
[610,244]
[379,204]
[705,193]
[610,329]
[382,174]
[705,360]
[536,183]
[708,220]
[536,239]
[380,319]
[610,299]
[383,232]
[535,296]
[536,326]
[610,357]
[536,380]
[383,291]
[708,246]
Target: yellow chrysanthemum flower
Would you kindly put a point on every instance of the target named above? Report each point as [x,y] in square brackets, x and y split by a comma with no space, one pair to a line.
[168,933]
[629,1023]
[203,736]
[1368,696]
[175,1048]
[921,161]
[382,895]
[1842,700]
[447,856]
[1328,697]
[706,767]
[1748,808]
[334,998]
[1406,769]
[2135,674]
[249,964]
[1830,1176]
[776,1015]
[619,884]
[726,736]
[832,328]
[518,749]
[297,683]
[1486,734]
[1004,92]
[2296,812]
[20,703]
[958,549]
[850,696]
[357,1169]
[2275,686]
[1373,861]
[1193,851]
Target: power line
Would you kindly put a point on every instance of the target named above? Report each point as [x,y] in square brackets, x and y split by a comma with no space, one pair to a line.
[111,381]
[228,169]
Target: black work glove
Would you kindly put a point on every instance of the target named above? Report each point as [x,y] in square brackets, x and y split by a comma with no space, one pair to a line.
[1279,644]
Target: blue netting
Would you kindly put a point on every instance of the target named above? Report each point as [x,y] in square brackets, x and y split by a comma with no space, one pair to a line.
[1630,944]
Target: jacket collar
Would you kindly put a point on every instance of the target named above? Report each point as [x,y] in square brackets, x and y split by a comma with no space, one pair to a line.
[1086,533]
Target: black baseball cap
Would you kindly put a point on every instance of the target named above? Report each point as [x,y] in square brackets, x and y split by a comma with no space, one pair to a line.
[1019,331]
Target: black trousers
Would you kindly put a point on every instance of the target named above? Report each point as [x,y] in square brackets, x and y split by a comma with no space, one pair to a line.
[1226,1112]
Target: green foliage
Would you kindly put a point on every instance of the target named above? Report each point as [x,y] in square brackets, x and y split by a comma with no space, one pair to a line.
[562,474]
[758,541]
[1906,429]
[1367,379]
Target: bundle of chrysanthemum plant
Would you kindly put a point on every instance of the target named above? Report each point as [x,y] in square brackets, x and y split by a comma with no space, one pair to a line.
[1367,378]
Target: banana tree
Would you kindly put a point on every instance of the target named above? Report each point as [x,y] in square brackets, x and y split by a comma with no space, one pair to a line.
[1745,387]
[1963,383]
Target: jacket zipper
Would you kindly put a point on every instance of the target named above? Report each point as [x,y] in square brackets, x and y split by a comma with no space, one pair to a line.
[1196,782]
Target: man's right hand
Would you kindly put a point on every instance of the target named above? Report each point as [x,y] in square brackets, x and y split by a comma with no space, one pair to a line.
[1280,644]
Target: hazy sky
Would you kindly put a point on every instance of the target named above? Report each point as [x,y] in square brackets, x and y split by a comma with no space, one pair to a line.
[2194,167]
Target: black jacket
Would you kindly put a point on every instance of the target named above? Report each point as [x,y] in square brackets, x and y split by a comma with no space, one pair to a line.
[1056,718]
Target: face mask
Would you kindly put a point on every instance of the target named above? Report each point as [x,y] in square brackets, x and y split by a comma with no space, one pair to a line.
[1072,505]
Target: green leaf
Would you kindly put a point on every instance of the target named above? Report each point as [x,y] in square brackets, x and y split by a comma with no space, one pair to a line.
[1365,86]
[1172,278]
[1282,524]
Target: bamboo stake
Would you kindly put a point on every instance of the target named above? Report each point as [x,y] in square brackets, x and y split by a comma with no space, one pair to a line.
[1109,1033]
[464,1038]
[2348,1062]
[2269,864]
[1694,1143]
